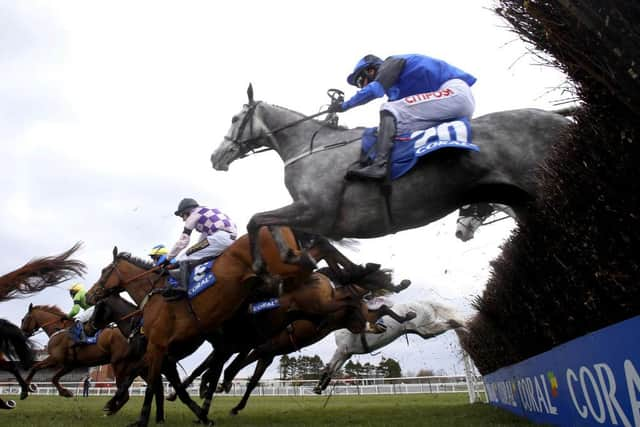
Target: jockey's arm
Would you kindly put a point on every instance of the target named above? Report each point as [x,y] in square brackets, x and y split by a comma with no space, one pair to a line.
[74,310]
[185,236]
[386,77]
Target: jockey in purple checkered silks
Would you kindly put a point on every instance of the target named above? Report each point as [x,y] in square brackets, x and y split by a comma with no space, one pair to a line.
[217,232]
[422,92]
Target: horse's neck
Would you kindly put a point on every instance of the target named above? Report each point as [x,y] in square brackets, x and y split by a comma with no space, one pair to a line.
[139,288]
[296,140]
[51,322]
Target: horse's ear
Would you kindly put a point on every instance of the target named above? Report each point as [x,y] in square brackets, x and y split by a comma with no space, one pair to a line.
[30,306]
[250,93]
[115,252]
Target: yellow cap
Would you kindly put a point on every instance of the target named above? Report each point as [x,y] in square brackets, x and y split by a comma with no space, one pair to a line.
[158,250]
[76,287]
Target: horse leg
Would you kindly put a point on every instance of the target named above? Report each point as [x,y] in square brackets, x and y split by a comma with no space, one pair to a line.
[146,407]
[56,380]
[158,392]
[9,404]
[297,213]
[11,367]
[212,377]
[336,362]
[123,381]
[170,371]
[384,310]
[263,364]
[288,254]
[195,374]
[232,370]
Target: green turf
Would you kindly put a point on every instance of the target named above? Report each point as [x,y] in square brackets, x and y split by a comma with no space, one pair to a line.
[440,410]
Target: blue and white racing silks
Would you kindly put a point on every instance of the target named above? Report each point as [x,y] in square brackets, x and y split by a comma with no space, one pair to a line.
[420,74]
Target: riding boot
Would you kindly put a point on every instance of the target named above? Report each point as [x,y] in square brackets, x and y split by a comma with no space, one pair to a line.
[379,168]
[179,290]
[80,335]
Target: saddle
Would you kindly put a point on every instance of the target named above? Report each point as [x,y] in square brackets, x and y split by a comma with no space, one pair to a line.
[409,147]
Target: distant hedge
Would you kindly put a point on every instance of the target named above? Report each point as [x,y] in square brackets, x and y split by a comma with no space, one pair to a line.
[573,268]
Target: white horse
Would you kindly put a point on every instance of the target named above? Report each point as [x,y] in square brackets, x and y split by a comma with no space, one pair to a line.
[431,319]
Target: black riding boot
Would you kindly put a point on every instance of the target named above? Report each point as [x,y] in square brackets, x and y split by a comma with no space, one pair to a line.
[378,169]
[180,290]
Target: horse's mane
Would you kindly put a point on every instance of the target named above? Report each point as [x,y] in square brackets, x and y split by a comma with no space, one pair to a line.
[53,309]
[41,273]
[316,121]
[138,262]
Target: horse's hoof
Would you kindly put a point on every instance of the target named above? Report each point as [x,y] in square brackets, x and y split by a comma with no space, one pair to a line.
[234,412]
[66,393]
[33,388]
[317,390]
[24,395]
[171,397]
[9,404]
[159,421]
[410,315]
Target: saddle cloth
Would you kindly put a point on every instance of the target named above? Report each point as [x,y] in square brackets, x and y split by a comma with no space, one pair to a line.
[200,278]
[409,147]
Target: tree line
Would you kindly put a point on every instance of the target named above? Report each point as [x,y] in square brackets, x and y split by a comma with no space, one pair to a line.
[310,368]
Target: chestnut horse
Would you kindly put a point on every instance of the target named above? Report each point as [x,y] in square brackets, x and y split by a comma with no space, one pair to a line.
[64,353]
[32,277]
[177,328]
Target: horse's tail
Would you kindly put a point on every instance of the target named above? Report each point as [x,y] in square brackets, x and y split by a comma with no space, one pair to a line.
[448,314]
[41,273]
[14,344]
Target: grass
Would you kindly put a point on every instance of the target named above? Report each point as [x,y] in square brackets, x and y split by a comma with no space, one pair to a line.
[442,410]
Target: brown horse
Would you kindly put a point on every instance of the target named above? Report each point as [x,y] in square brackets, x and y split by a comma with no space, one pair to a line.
[322,309]
[177,328]
[64,353]
[34,276]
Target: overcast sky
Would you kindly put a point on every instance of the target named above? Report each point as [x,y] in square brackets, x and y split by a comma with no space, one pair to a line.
[109,112]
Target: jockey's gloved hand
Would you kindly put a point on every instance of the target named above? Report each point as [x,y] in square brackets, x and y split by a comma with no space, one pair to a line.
[163,261]
[335,107]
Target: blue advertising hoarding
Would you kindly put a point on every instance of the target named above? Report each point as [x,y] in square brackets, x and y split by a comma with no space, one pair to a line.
[593,380]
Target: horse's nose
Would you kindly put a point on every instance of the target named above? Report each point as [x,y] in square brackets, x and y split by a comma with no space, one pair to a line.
[462,236]
[459,234]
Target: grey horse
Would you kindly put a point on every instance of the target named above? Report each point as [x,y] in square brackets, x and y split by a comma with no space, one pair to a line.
[316,156]
[471,217]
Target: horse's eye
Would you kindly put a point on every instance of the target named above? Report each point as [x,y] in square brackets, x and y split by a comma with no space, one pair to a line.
[234,119]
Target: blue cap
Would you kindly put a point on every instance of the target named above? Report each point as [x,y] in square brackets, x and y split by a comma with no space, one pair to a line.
[365,62]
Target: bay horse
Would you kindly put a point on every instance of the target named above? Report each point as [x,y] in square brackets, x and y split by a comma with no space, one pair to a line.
[431,319]
[115,309]
[323,306]
[32,277]
[473,216]
[64,354]
[175,329]
[316,156]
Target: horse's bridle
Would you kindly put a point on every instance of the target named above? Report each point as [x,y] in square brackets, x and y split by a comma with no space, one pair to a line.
[114,267]
[245,148]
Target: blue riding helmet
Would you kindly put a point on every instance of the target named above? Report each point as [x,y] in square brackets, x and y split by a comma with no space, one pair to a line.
[366,62]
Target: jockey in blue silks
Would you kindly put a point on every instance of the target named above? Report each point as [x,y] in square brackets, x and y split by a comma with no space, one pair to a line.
[421,91]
